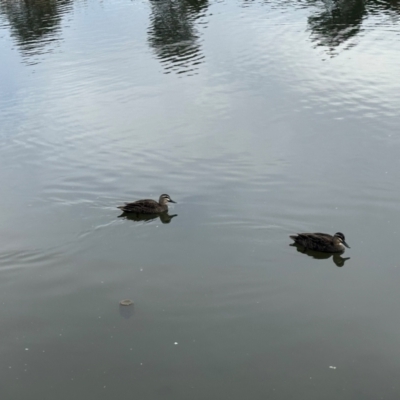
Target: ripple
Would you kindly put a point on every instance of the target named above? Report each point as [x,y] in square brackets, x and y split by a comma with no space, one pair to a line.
[27,258]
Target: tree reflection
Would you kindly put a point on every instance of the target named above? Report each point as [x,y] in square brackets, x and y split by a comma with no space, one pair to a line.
[173,33]
[34,23]
[341,20]
[337,23]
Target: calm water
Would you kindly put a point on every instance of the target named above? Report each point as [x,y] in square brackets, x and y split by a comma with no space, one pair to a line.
[261,119]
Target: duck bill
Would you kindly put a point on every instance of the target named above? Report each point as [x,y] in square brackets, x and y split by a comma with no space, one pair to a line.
[171,201]
[346,244]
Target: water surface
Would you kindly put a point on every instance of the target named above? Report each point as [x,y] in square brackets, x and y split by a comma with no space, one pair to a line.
[260,119]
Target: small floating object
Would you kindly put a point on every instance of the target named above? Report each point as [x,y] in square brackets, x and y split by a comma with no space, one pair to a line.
[126,302]
[332,367]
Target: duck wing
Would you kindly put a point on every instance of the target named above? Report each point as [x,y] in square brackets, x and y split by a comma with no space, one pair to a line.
[324,235]
[315,241]
[140,206]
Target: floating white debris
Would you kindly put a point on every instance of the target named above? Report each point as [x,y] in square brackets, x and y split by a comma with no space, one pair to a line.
[126,302]
[175,343]
[332,367]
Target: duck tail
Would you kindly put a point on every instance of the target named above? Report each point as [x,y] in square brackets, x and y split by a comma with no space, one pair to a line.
[294,237]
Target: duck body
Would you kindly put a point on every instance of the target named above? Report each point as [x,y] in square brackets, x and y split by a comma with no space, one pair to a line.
[321,242]
[148,206]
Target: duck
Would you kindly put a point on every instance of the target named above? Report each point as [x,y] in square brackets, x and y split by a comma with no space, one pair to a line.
[321,242]
[148,206]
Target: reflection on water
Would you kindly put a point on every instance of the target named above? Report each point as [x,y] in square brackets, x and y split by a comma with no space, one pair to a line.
[173,34]
[317,255]
[34,24]
[340,21]
[337,23]
[126,312]
[164,217]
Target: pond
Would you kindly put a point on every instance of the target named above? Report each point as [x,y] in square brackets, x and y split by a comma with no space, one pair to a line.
[260,119]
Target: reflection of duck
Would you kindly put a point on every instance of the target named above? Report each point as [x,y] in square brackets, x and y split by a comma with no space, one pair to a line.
[148,206]
[164,217]
[321,242]
[336,257]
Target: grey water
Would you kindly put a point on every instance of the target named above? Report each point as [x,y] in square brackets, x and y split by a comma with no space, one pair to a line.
[260,119]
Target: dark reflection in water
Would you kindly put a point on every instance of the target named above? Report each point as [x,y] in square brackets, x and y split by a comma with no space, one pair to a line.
[126,312]
[34,24]
[173,33]
[336,257]
[339,21]
[164,217]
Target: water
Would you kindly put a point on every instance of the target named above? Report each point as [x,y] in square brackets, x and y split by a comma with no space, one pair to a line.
[260,119]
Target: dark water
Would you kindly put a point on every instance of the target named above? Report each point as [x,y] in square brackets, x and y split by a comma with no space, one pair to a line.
[261,119]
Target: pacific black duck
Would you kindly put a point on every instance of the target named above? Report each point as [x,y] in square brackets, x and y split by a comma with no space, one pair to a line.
[148,206]
[321,241]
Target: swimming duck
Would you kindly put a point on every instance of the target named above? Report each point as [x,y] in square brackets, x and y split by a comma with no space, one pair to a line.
[148,206]
[321,241]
